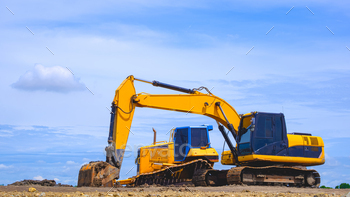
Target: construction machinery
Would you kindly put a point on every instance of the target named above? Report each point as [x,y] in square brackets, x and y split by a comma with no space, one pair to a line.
[264,152]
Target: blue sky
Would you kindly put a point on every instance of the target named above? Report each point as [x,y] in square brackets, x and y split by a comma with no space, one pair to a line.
[51,123]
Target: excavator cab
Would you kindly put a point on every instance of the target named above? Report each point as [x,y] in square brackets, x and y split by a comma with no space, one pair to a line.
[262,133]
[263,140]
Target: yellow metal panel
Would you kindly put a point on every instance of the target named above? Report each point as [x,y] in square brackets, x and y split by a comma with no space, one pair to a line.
[314,141]
[320,141]
[303,161]
[247,121]
[197,103]
[249,114]
[171,153]
[198,152]
[122,99]
[150,155]
[126,181]
[159,155]
[227,158]
[144,164]
[304,140]
[295,140]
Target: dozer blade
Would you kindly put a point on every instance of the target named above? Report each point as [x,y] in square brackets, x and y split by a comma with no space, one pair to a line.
[96,174]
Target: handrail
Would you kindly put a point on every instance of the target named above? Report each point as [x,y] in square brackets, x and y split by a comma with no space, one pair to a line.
[160,142]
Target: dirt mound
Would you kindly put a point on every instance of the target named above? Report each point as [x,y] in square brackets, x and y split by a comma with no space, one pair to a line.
[44,182]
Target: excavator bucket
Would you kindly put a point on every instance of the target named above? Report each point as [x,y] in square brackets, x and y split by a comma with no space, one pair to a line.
[97,174]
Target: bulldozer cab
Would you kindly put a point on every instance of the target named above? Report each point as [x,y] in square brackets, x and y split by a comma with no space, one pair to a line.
[262,133]
[186,138]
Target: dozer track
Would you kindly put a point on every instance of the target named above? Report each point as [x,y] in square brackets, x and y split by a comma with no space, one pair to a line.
[172,174]
[270,175]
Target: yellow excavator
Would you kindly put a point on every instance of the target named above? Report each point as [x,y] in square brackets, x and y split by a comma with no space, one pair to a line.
[264,153]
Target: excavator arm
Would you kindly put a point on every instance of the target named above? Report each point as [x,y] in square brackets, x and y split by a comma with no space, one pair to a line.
[126,100]
[122,113]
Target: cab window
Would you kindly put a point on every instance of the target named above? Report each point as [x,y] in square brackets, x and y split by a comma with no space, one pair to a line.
[265,127]
[199,137]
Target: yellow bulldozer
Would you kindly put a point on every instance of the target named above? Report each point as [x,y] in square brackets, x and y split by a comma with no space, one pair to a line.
[264,154]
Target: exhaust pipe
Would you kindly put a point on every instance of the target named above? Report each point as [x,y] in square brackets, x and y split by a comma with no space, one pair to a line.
[154,136]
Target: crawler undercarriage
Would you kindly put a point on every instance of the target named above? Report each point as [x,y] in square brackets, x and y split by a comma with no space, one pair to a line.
[201,173]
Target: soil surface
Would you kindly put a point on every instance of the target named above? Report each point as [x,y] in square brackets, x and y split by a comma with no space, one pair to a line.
[150,191]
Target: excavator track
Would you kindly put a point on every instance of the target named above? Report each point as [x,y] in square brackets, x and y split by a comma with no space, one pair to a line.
[274,175]
[173,174]
[209,177]
[269,175]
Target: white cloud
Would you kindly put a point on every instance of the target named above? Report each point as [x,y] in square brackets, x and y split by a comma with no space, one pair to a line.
[66,169]
[331,161]
[71,163]
[23,128]
[39,178]
[6,133]
[56,79]
[56,179]
[2,166]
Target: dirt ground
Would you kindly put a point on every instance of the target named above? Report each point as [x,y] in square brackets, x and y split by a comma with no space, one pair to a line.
[223,191]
